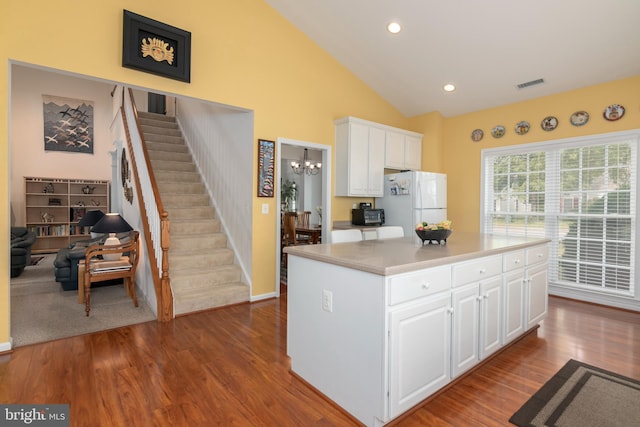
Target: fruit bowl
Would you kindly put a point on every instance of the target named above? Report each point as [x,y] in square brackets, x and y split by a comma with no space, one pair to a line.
[434,236]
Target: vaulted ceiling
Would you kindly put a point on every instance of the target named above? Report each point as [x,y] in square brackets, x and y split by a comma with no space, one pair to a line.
[485,47]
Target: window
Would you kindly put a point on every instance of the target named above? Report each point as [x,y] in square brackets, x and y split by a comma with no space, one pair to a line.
[581,194]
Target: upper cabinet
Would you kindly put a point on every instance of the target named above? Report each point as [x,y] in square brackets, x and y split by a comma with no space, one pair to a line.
[359,158]
[403,150]
[364,149]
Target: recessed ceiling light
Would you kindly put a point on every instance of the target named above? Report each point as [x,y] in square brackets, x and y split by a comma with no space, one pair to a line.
[449,87]
[394,27]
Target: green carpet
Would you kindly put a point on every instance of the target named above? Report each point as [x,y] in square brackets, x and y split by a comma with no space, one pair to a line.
[580,395]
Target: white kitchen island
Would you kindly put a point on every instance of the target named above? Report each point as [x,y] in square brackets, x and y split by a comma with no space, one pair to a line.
[380,325]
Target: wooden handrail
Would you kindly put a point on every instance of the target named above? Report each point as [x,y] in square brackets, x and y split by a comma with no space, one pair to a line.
[162,283]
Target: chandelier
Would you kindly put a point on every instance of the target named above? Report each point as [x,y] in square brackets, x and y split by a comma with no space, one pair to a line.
[306,166]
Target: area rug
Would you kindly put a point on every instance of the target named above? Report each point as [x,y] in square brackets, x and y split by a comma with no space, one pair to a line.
[581,395]
[41,311]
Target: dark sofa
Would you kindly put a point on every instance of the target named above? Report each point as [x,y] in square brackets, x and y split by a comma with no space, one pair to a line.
[21,242]
[67,259]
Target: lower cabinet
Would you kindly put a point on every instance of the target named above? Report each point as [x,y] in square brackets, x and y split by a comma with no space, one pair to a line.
[536,291]
[477,323]
[419,356]
[513,305]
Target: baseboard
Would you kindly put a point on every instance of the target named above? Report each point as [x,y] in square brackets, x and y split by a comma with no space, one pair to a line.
[262,297]
[5,347]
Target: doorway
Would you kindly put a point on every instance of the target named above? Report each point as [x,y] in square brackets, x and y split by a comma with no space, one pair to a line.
[324,188]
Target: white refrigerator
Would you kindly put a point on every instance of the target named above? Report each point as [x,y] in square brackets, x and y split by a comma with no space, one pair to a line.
[413,197]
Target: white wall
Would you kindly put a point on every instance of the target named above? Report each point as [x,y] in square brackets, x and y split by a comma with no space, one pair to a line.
[27,156]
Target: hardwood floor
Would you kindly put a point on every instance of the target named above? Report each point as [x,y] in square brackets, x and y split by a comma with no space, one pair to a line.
[228,367]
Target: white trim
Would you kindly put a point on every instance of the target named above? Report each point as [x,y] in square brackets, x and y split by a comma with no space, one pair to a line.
[5,346]
[262,297]
[326,192]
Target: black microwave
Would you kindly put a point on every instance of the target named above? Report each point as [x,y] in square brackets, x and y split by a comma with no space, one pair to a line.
[367,216]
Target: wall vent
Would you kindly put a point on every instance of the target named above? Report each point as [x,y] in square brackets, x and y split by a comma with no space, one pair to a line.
[529,84]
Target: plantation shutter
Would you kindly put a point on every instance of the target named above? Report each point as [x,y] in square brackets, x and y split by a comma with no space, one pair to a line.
[580,194]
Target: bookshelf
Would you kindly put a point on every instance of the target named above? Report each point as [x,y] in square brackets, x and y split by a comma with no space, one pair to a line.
[54,206]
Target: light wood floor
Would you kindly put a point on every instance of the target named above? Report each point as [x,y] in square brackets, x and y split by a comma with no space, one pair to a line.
[228,367]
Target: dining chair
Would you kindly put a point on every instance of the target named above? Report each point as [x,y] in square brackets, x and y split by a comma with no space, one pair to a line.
[288,233]
[390,232]
[351,235]
[303,221]
[98,270]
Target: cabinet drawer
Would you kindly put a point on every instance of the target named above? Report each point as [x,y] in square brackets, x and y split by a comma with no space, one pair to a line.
[406,287]
[537,254]
[477,269]
[513,260]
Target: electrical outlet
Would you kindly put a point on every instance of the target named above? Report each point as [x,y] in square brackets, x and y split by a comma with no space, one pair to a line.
[327,300]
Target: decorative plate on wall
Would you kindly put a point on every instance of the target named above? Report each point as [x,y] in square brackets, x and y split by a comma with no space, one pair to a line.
[498,131]
[579,118]
[549,123]
[477,135]
[613,112]
[522,127]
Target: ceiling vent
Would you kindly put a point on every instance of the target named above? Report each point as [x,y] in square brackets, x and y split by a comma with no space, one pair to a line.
[529,84]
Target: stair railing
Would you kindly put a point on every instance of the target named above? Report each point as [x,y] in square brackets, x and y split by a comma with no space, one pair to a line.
[155,217]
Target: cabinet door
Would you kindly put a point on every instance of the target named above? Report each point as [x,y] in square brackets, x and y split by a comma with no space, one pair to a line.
[376,162]
[466,316]
[412,153]
[419,347]
[490,316]
[536,295]
[394,150]
[358,171]
[513,287]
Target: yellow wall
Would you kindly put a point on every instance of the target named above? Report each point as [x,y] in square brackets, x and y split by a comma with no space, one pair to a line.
[243,54]
[460,156]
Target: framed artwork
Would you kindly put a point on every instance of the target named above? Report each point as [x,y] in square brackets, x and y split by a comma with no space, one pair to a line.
[266,161]
[68,124]
[157,48]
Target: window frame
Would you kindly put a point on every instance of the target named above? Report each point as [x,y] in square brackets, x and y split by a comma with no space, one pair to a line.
[552,215]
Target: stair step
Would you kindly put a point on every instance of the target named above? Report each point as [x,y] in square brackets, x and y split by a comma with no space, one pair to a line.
[220,296]
[198,212]
[160,131]
[169,176]
[177,200]
[168,147]
[194,226]
[165,165]
[164,139]
[202,241]
[159,124]
[197,259]
[168,188]
[155,116]
[185,281]
[156,155]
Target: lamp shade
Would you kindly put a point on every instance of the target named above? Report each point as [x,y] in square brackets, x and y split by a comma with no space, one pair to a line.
[91,218]
[111,223]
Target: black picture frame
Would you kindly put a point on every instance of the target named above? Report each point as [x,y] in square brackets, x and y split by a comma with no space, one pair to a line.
[155,47]
[266,167]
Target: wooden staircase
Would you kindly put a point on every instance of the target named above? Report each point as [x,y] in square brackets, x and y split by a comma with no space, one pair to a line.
[201,267]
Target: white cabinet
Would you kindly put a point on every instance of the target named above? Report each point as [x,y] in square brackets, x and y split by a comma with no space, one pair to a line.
[419,343]
[477,313]
[536,285]
[359,158]
[513,306]
[403,150]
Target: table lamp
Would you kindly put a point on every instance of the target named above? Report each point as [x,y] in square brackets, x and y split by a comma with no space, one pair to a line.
[112,223]
[90,219]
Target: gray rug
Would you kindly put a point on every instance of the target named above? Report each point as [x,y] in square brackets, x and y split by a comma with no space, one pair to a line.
[581,395]
[41,311]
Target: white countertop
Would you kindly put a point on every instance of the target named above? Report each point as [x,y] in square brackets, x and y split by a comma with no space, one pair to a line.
[394,256]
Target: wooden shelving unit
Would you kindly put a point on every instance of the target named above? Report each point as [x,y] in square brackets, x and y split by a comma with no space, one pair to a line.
[54,206]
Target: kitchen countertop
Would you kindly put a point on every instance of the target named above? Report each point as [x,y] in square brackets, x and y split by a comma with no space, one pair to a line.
[394,256]
[347,225]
